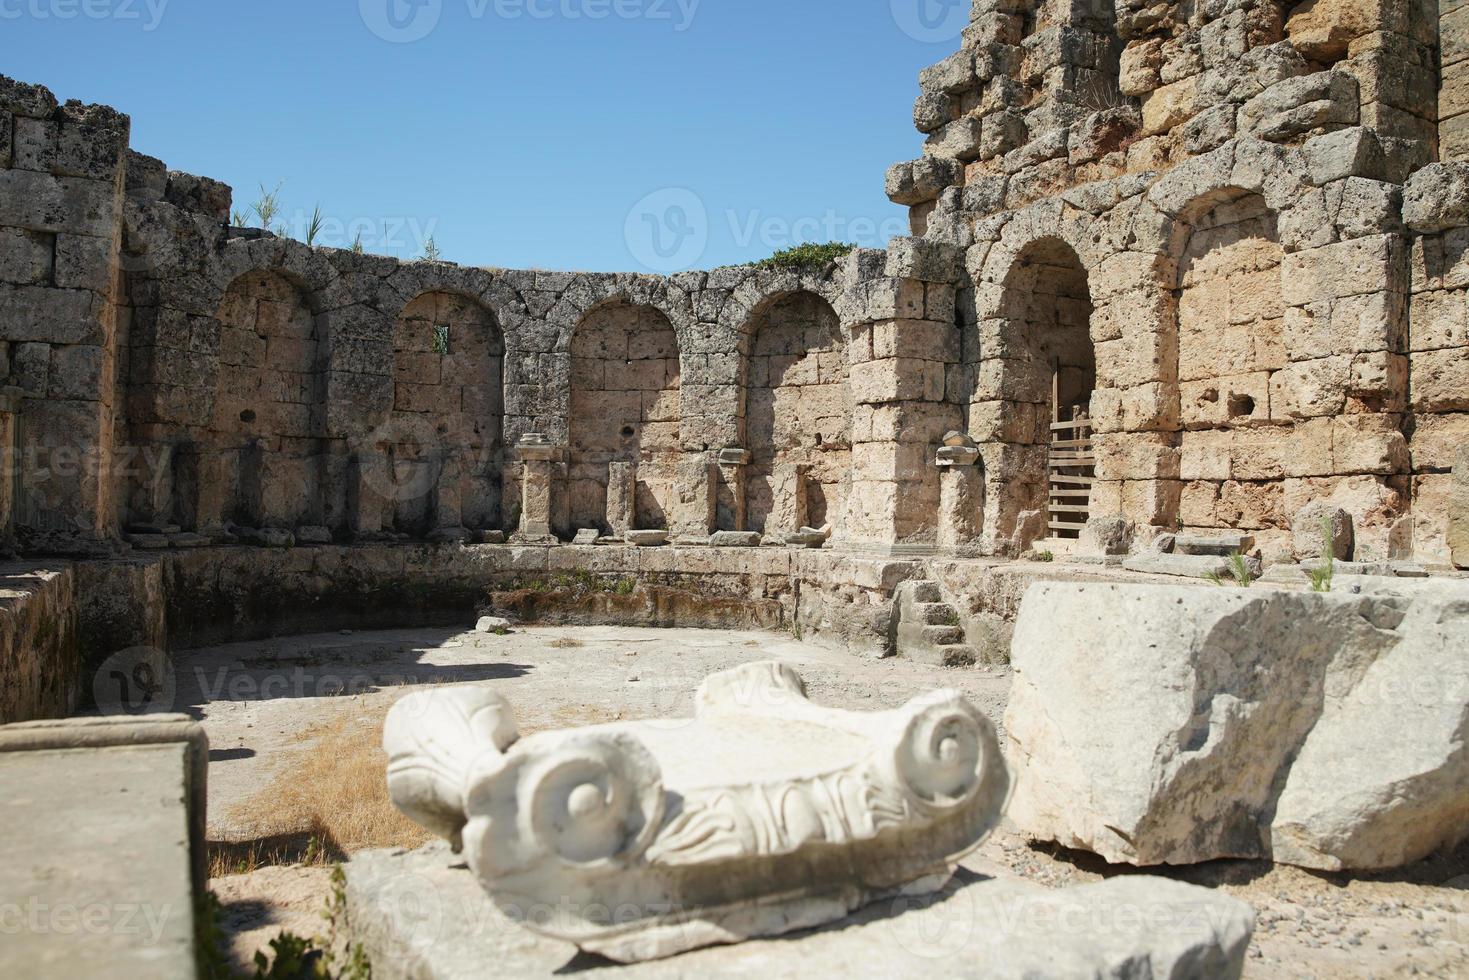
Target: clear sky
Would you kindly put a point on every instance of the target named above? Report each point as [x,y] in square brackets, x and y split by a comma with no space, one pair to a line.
[600,135]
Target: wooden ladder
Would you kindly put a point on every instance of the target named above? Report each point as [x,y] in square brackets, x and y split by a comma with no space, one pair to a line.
[1072,467]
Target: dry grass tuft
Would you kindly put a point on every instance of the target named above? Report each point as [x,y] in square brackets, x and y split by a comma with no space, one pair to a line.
[334,792]
[565,643]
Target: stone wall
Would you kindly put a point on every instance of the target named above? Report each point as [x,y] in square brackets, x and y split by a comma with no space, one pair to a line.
[61,173]
[1203,227]
[41,673]
[798,415]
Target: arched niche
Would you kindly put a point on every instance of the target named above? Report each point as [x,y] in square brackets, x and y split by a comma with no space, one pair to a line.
[444,444]
[798,416]
[625,408]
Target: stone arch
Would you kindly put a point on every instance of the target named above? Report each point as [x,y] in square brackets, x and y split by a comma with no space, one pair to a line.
[260,461]
[1037,368]
[445,439]
[624,414]
[1230,321]
[798,415]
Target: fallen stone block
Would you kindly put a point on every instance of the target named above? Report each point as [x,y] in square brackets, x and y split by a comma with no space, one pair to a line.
[1319,527]
[422,914]
[1183,566]
[1222,545]
[149,542]
[735,539]
[313,534]
[492,624]
[1168,725]
[586,536]
[647,539]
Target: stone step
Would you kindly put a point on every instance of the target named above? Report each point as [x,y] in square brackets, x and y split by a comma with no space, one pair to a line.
[959,655]
[920,634]
[924,591]
[934,613]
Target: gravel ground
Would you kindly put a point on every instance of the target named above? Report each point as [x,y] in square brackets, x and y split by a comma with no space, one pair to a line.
[256,699]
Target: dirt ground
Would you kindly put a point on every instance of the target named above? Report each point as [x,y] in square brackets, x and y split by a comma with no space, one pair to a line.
[273,709]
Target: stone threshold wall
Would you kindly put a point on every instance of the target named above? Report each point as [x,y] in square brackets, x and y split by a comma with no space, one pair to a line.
[220,595]
[41,672]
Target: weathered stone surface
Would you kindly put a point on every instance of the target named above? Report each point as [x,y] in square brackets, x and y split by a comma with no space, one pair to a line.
[1221,546]
[735,539]
[422,915]
[1185,725]
[647,539]
[1108,536]
[492,624]
[1436,198]
[1183,566]
[1459,510]
[1320,526]
[89,804]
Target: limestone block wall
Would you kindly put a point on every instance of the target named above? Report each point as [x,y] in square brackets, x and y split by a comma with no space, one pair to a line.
[1453,94]
[61,174]
[798,416]
[1218,194]
[626,402]
[1048,94]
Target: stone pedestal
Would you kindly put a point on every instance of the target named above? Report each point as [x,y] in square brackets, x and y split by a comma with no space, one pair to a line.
[694,507]
[622,497]
[541,466]
[366,502]
[788,503]
[729,494]
[961,494]
[449,495]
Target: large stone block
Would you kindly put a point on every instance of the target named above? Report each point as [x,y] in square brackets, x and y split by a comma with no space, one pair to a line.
[1124,926]
[1184,725]
[69,205]
[1459,510]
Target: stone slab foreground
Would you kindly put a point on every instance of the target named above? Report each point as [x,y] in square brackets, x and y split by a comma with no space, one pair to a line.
[1173,725]
[102,853]
[422,915]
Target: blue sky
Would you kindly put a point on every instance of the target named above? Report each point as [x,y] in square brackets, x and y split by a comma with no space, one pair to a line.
[562,134]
